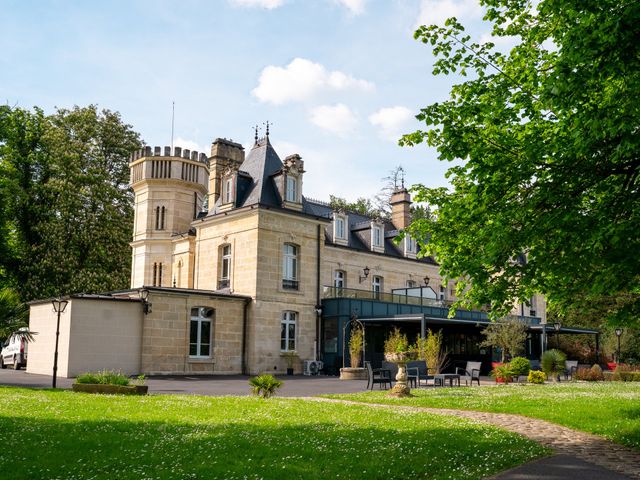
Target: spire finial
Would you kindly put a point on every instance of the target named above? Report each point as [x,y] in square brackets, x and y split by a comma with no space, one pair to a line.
[401,173]
[255,137]
[267,123]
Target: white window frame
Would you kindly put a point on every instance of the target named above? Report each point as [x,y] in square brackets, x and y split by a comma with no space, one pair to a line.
[411,284]
[227,190]
[339,279]
[443,293]
[376,237]
[290,263]
[200,319]
[225,259]
[411,244]
[291,189]
[376,284]
[339,228]
[289,318]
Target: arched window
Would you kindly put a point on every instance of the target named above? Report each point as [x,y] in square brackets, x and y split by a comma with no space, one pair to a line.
[157,218]
[201,332]
[290,267]
[288,331]
[162,219]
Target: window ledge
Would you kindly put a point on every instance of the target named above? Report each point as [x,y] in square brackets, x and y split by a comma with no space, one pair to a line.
[201,360]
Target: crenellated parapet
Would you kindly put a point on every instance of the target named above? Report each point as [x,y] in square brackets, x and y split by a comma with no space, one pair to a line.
[169,163]
[169,152]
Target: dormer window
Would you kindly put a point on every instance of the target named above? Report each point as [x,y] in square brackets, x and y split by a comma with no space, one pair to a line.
[410,246]
[340,228]
[291,190]
[376,236]
[227,190]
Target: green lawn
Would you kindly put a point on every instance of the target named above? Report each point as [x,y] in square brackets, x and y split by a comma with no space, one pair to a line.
[611,409]
[65,435]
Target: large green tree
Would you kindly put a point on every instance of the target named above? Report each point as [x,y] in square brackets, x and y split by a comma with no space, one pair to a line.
[67,209]
[545,194]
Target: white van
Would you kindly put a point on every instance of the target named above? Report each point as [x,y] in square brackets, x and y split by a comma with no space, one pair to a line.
[14,352]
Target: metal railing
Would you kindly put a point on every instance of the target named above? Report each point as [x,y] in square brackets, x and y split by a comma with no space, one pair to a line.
[340,292]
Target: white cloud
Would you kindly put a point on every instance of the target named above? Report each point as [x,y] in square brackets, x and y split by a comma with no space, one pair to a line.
[355,7]
[191,145]
[302,79]
[392,121]
[268,4]
[437,11]
[337,119]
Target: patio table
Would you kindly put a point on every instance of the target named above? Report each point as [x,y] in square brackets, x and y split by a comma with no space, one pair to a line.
[441,378]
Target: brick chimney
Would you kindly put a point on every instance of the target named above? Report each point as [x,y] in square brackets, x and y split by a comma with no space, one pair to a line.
[400,208]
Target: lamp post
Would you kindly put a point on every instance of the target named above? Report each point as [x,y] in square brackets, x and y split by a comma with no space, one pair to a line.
[59,306]
[557,326]
[618,334]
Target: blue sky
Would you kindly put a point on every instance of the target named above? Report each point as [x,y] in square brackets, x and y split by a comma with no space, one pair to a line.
[339,79]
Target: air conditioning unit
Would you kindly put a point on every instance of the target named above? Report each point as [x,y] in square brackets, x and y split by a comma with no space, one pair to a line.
[312,367]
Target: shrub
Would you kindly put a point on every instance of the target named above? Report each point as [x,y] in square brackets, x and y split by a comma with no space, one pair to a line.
[430,349]
[536,376]
[503,371]
[552,363]
[396,342]
[520,366]
[104,377]
[264,385]
[592,374]
[626,373]
[356,342]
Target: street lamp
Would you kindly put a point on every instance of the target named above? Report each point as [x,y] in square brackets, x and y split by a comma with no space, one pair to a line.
[557,326]
[59,306]
[426,281]
[618,334]
[143,293]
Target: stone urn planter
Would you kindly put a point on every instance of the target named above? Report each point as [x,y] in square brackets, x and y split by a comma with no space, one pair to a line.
[353,373]
[110,389]
[401,388]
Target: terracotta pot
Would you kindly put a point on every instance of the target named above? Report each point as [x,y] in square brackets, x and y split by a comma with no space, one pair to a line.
[612,365]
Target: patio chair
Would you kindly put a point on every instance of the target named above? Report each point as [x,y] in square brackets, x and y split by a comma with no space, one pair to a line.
[570,367]
[470,373]
[419,371]
[380,376]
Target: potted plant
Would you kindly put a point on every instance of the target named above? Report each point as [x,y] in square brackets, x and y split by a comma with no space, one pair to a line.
[502,373]
[290,357]
[397,350]
[356,344]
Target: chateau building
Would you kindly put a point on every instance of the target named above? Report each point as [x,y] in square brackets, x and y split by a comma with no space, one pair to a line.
[234,269]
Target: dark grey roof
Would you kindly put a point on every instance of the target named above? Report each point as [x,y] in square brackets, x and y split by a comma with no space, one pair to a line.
[256,186]
[359,231]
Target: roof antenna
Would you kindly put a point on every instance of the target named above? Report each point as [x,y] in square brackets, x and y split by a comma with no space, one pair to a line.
[401,172]
[173,116]
[256,135]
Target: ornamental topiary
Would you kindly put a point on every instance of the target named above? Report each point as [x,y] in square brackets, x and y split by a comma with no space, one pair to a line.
[536,376]
[520,366]
[553,363]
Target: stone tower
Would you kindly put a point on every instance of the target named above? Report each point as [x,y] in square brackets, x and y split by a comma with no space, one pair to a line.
[170,188]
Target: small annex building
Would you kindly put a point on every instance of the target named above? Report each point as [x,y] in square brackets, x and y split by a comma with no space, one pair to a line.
[262,274]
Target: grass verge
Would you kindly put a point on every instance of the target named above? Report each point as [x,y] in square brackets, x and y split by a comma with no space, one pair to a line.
[610,409]
[66,435]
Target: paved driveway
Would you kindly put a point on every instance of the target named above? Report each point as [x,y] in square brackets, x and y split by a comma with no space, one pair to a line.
[294,386]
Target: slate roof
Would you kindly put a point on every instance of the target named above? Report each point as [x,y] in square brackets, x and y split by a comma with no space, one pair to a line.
[256,186]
